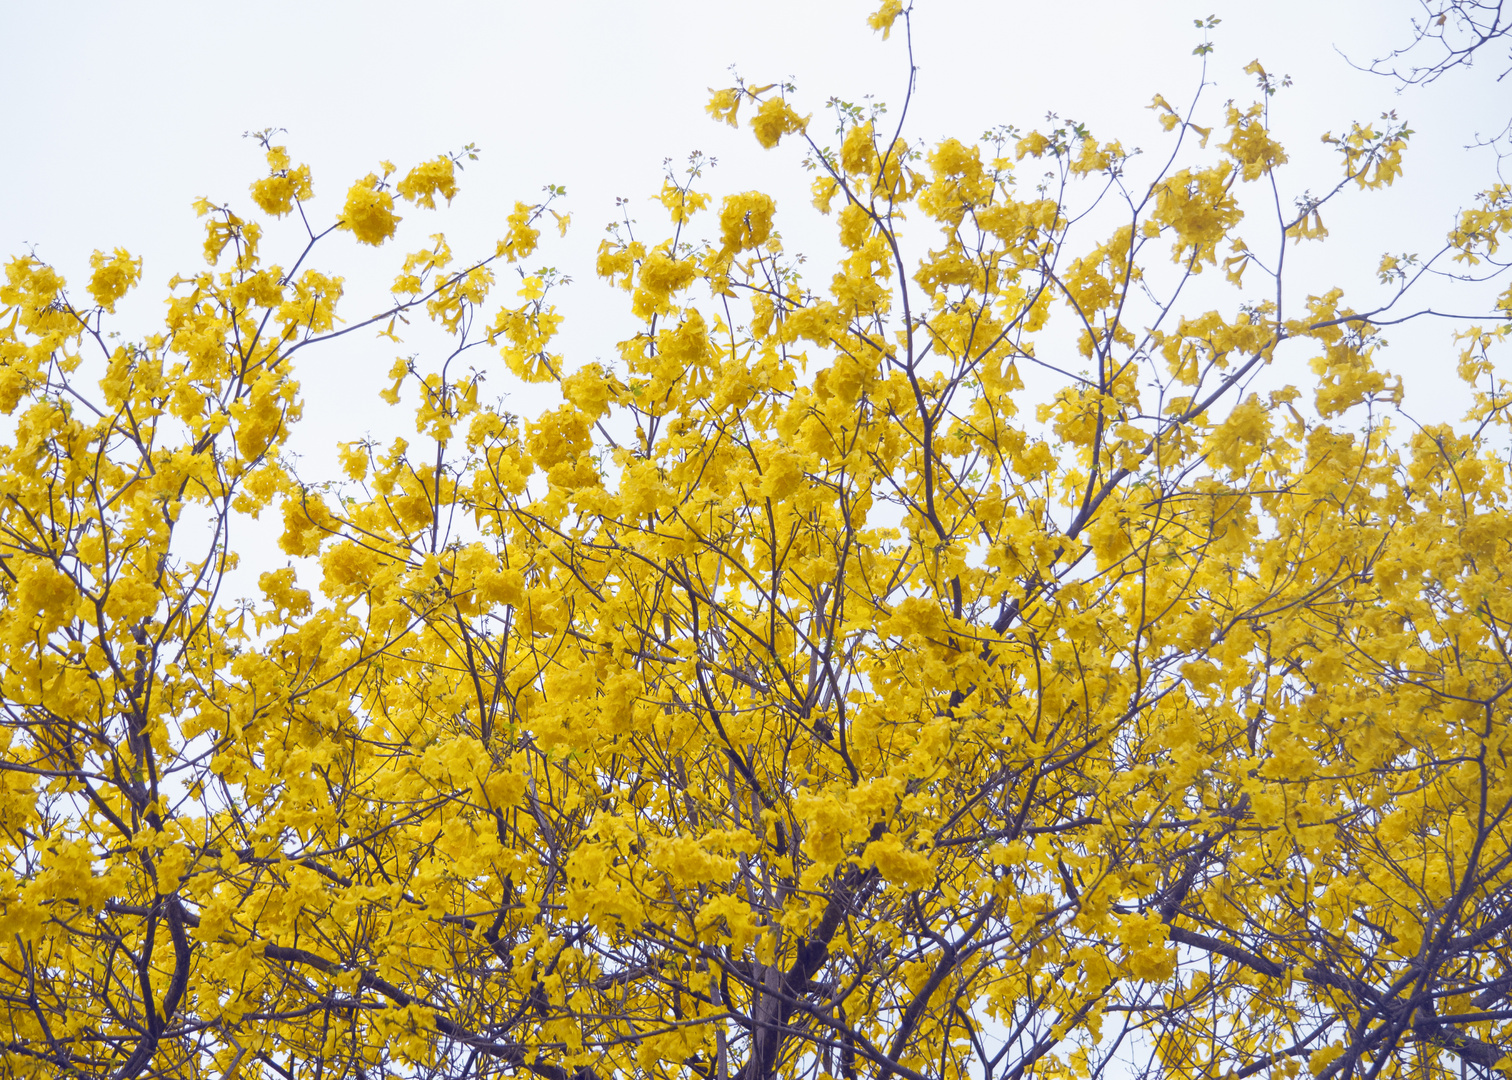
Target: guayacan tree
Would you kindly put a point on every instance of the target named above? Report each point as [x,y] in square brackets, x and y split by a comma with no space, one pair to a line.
[980,661]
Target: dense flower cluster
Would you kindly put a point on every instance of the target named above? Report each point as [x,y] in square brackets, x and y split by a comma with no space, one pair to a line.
[802,695]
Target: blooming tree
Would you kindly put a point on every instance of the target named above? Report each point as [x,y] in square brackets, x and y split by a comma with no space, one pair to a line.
[978,662]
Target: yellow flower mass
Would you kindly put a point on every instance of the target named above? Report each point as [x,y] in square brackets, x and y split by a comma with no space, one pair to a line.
[979,658]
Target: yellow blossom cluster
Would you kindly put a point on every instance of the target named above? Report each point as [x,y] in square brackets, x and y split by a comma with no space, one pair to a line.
[975,659]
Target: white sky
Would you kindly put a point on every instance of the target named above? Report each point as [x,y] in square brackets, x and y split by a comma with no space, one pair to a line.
[116,116]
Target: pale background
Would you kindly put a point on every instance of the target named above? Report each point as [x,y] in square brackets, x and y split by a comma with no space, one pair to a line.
[116,116]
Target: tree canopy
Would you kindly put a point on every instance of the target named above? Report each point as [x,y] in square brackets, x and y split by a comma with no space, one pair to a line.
[976,660]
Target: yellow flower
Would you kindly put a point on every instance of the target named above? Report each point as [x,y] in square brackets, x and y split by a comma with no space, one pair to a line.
[724,104]
[276,193]
[113,276]
[745,220]
[775,119]
[883,18]
[369,212]
[425,181]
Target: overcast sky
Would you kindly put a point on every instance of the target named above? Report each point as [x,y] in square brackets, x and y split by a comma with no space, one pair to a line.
[116,116]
